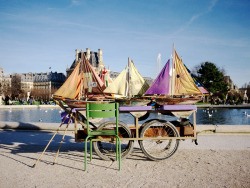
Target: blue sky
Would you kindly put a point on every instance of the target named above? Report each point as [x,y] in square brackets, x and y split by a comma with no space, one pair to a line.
[36,35]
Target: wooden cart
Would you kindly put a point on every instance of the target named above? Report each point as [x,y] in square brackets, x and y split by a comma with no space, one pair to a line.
[158,139]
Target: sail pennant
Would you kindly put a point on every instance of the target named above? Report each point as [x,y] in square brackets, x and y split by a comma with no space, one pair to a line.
[105,77]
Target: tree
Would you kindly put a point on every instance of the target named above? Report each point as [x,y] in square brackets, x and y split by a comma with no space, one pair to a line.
[211,77]
[16,85]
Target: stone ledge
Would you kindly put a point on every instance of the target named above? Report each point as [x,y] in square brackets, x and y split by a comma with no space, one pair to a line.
[54,126]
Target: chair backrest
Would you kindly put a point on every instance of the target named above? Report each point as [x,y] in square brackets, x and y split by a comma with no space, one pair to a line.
[97,110]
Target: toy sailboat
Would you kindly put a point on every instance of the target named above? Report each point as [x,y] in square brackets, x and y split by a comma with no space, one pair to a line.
[82,86]
[128,87]
[174,86]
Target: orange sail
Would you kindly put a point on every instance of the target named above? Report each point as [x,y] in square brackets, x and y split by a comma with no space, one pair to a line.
[82,81]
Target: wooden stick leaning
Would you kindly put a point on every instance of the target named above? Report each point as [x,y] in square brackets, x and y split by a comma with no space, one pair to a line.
[62,140]
[52,139]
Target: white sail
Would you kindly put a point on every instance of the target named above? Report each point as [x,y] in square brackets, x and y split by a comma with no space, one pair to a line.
[129,83]
[138,86]
[118,86]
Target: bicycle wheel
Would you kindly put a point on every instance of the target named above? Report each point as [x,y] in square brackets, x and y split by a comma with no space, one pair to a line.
[107,149]
[159,149]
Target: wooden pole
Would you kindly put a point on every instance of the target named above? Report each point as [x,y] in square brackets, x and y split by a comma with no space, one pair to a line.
[137,127]
[62,139]
[194,121]
[50,142]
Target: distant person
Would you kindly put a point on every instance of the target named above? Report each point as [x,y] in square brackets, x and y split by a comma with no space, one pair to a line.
[7,99]
[31,100]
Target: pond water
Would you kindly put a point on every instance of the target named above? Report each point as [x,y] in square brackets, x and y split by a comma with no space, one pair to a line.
[220,116]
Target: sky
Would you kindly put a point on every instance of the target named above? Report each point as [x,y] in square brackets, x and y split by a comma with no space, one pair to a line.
[36,35]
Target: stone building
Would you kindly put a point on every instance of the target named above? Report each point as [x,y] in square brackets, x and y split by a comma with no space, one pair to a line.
[48,80]
[24,83]
[5,81]
[149,80]
[113,74]
[231,85]
[27,81]
[95,59]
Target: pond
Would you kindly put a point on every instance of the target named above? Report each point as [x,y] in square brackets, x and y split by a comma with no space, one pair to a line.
[220,116]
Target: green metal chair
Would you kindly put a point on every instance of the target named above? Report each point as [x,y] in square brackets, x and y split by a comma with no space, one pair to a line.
[102,111]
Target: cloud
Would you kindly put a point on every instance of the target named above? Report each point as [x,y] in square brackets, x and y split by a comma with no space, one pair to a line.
[75,2]
[196,16]
[209,9]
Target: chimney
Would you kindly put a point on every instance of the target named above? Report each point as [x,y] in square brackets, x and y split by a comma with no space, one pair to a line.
[77,56]
[101,65]
[100,55]
[88,53]
[81,54]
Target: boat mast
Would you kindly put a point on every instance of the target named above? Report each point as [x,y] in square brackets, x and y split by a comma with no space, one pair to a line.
[128,80]
[82,82]
[80,70]
[172,84]
[83,63]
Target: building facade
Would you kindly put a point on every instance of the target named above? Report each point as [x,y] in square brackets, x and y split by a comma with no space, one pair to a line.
[36,83]
[48,80]
[47,83]
[5,82]
[231,86]
[27,81]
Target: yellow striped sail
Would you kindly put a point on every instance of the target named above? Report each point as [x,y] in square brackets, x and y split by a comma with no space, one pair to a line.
[184,84]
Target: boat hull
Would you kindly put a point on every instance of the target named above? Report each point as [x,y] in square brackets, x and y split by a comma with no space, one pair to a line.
[177,101]
[132,102]
[82,103]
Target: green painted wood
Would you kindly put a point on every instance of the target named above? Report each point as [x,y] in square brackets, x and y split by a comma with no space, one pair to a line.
[107,106]
[102,133]
[103,114]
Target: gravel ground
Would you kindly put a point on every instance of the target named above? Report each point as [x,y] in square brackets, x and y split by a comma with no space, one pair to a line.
[218,161]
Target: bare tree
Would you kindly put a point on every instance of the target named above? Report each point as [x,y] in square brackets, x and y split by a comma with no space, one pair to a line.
[16,90]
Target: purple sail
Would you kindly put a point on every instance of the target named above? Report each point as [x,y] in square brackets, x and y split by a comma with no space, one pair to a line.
[161,83]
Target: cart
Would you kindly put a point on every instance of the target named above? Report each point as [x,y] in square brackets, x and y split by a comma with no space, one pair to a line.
[158,139]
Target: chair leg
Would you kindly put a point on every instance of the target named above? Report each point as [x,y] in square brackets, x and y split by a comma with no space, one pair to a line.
[118,151]
[86,149]
[90,148]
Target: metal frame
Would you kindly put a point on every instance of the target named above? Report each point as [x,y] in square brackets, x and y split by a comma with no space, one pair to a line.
[137,127]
